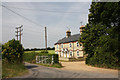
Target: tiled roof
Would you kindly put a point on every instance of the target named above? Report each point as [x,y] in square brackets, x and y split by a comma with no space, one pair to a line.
[71,38]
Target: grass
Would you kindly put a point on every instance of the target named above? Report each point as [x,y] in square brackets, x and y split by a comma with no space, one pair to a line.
[49,51]
[52,65]
[105,66]
[13,70]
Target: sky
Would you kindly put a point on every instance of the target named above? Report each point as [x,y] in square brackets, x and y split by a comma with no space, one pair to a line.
[58,17]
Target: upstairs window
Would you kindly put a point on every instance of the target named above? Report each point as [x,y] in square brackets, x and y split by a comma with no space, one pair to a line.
[80,44]
[77,44]
[61,45]
[77,53]
[70,45]
[57,46]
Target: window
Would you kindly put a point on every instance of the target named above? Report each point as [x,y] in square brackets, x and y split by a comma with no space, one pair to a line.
[77,53]
[70,45]
[62,45]
[77,44]
[70,54]
[80,44]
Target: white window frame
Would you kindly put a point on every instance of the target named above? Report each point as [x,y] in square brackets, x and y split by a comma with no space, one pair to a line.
[71,53]
[78,53]
[61,45]
[80,44]
[70,45]
[77,44]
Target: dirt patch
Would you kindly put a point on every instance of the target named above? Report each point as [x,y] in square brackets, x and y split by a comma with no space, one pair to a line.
[81,66]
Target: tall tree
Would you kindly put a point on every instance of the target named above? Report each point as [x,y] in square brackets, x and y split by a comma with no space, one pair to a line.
[100,36]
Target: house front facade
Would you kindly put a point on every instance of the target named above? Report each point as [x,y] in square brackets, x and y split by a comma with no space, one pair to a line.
[69,47]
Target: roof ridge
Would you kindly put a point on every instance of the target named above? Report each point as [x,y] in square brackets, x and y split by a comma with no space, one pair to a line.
[71,38]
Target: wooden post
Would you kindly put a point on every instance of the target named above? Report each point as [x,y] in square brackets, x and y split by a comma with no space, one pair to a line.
[52,60]
[45,59]
[42,59]
[17,33]
[46,38]
[20,32]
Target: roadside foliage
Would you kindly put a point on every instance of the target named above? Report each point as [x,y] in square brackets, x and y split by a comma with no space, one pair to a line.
[30,56]
[100,36]
[12,51]
[12,59]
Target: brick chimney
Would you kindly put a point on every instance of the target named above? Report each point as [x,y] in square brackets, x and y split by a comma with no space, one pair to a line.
[68,33]
[81,29]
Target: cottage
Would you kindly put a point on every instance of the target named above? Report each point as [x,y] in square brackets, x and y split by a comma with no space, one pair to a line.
[69,47]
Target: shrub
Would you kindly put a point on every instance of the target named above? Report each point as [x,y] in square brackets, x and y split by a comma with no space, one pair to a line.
[29,57]
[12,51]
[56,58]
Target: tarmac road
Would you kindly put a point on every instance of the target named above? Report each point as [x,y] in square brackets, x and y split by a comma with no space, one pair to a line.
[38,71]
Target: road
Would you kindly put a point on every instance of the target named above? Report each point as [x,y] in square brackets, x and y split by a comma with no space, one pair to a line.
[75,71]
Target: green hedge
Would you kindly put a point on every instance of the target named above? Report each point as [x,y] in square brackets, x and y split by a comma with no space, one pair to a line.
[31,57]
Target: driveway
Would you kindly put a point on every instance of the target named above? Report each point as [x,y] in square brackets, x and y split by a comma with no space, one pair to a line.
[82,67]
[70,70]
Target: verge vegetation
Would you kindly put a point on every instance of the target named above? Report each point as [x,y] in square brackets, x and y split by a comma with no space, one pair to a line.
[30,56]
[100,35]
[12,59]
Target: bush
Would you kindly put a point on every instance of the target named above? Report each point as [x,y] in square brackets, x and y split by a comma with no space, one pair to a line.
[30,57]
[12,51]
[56,58]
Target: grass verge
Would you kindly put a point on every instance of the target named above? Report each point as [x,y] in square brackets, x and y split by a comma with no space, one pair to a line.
[49,51]
[105,66]
[52,65]
[13,70]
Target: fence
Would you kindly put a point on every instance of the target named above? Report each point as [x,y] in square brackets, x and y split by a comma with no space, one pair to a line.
[45,59]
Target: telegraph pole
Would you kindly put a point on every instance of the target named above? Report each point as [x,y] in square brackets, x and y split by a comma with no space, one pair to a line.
[20,32]
[17,33]
[46,38]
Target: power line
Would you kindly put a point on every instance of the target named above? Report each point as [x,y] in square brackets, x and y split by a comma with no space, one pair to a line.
[21,16]
[42,10]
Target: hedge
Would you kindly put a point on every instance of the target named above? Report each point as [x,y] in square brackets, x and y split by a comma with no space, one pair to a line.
[31,57]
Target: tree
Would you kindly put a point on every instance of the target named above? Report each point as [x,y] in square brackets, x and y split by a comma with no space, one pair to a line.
[13,51]
[100,36]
